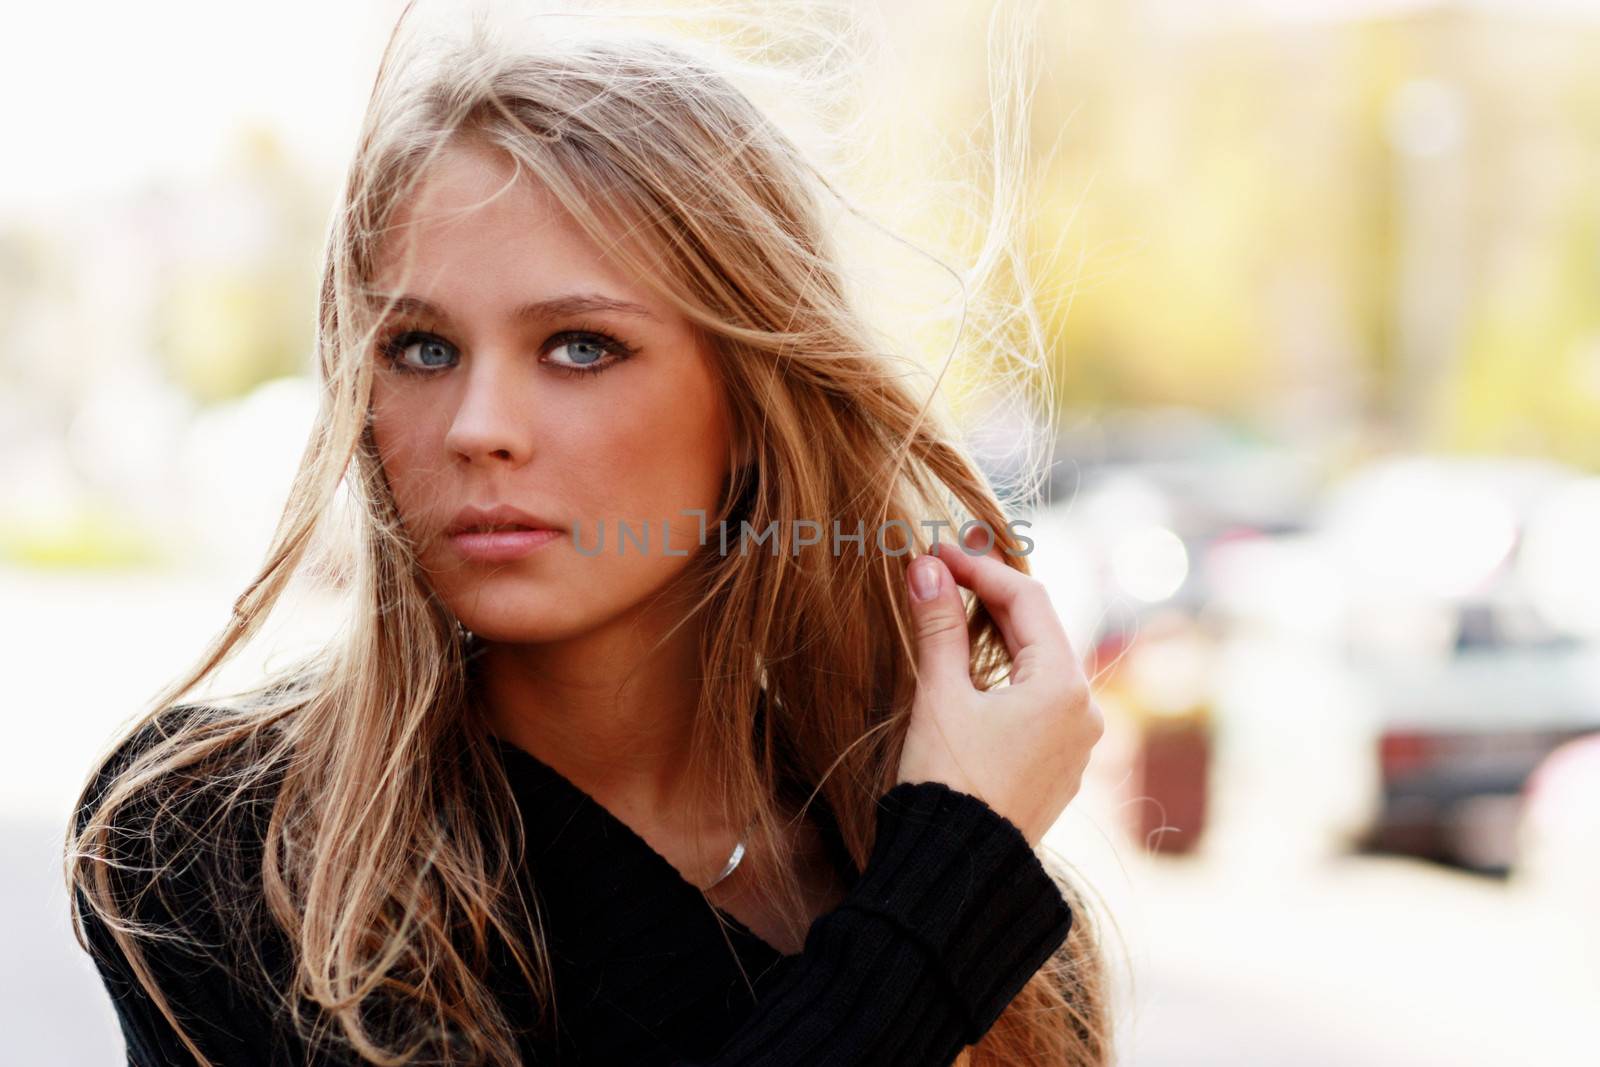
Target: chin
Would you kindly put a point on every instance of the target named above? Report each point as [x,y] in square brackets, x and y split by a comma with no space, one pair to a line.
[519,631]
[521,620]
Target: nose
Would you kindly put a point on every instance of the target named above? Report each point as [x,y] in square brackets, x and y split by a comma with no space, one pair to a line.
[492,420]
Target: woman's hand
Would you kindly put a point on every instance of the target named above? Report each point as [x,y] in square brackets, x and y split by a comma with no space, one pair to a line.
[1021,748]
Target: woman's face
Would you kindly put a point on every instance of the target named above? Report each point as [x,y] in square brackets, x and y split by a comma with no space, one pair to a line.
[525,368]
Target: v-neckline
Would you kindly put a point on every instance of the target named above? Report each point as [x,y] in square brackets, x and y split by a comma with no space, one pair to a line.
[614,825]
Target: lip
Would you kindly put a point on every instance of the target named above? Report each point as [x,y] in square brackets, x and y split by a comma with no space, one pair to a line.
[502,545]
[494,546]
[497,515]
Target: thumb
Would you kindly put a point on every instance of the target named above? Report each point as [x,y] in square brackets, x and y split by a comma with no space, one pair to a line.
[940,620]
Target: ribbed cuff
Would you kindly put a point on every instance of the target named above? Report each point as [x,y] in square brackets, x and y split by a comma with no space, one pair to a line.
[961,880]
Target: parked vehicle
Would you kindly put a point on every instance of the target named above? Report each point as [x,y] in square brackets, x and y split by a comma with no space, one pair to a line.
[1460,739]
[1472,687]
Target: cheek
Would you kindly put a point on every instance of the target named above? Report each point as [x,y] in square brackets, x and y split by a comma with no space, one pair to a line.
[407,445]
[663,456]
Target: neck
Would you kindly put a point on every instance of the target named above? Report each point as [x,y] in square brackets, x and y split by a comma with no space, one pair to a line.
[608,710]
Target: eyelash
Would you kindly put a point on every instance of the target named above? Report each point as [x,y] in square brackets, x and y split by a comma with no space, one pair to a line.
[397,341]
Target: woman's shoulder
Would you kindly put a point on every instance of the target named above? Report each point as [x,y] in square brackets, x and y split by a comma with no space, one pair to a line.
[170,721]
[168,872]
[181,843]
[209,756]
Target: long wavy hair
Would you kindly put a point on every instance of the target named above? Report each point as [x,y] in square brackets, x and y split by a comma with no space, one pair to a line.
[375,862]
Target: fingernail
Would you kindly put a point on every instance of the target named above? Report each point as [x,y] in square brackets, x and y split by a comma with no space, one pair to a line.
[924,578]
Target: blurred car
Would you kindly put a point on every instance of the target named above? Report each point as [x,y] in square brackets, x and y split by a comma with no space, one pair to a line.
[1460,740]
[1472,684]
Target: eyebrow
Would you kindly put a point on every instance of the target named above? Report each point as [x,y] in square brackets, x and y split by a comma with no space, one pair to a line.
[533,311]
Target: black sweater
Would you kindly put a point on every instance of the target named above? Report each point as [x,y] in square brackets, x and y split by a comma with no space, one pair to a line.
[951,917]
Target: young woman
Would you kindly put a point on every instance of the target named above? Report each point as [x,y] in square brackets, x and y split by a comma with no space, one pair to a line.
[592,775]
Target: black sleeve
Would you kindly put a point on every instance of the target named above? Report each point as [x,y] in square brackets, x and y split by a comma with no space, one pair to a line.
[952,916]
[230,1023]
[207,998]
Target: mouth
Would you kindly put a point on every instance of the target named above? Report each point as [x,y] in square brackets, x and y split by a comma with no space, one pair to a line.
[491,518]
[492,527]
[499,532]
[499,542]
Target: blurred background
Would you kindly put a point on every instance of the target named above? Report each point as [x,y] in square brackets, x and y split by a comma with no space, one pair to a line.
[1325,328]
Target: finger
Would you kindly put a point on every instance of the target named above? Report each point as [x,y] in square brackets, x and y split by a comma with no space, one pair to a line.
[939,617]
[982,541]
[1017,601]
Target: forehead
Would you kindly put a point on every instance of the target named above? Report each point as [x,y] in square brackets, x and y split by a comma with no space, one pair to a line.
[461,177]
[474,214]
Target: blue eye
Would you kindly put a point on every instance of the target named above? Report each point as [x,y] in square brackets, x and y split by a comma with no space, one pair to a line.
[434,351]
[587,351]
[584,352]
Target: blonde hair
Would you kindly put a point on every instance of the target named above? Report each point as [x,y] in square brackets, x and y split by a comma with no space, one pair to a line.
[374,861]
